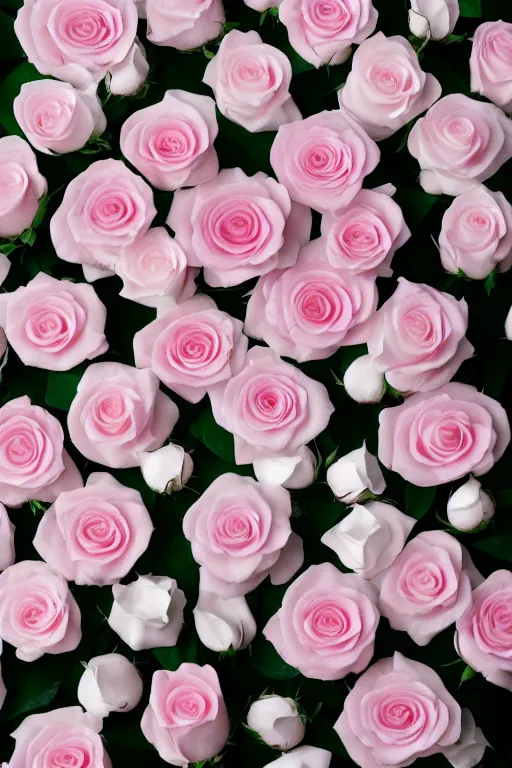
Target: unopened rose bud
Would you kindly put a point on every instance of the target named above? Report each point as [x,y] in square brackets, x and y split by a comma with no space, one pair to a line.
[508,325]
[277,721]
[303,757]
[469,506]
[363,381]
[130,74]
[224,624]
[353,474]
[7,554]
[434,19]
[289,471]
[110,683]
[166,470]
[469,750]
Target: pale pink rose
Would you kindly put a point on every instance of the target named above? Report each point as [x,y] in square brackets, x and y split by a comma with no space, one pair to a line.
[321,32]
[364,236]
[491,62]
[184,26]
[440,436]
[22,186]
[397,711]
[327,622]
[56,118]
[5,266]
[459,143]
[192,347]
[38,613]
[270,407]
[54,324]
[119,411]
[433,19]
[104,209]
[238,227]
[386,87]
[33,462]
[7,553]
[476,233]
[186,719]
[251,82]
[171,143]
[154,266]
[418,337]
[311,309]
[322,160]
[95,535]
[263,5]
[484,632]
[127,77]
[67,736]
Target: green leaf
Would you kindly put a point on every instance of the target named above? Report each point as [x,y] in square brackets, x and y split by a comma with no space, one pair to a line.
[96,145]
[10,47]
[171,658]
[418,500]
[7,248]
[41,211]
[34,685]
[331,458]
[267,661]
[455,39]
[496,546]
[28,236]
[218,440]
[9,89]
[61,388]
[470,8]
[468,673]
[490,282]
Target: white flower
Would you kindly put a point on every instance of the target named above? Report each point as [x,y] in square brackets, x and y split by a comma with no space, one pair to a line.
[469,749]
[363,381]
[434,19]
[289,471]
[110,683]
[355,473]
[130,74]
[469,506]
[303,757]
[508,325]
[277,721]
[223,624]
[7,554]
[2,685]
[166,470]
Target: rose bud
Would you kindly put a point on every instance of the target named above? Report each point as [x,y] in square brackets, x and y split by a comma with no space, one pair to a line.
[355,473]
[3,690]
[128,77]
[224,624]
[433,19]
[508,325]
[469,506]
[289,471]
[110,683]
[363,381]
[277,721]
[7,553]
[166,470]
[303,757]
[469,750]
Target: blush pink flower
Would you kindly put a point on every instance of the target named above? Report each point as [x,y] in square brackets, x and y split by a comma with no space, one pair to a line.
[311,309]
[22,186]
[238,227]
[443,435]
[491,62]
[270,407]
[54,324]
[118,412]
[184,26]
[95,535]
[7,553]
[263,5]
[192,347]
[326,625]
[322,160]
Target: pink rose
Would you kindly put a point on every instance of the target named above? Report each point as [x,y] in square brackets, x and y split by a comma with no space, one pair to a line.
[184,27]
[238,529]
[153,267]
[54,324]
[119,411]
[491,62]
[322,160]
[386,87]
[476,233]
[238,227]
[251,82]
[311,309]
[364,236]
[38,613]
[397,711]
[7,553]
[192,347]
[171,143]
[22,186]
[440,436]
[326,625]
[56,118]
[95,535]
[104,209]
[186,719]
[271,407]
[459,143]
[418,337]
[484,632]
[321,32]
[67,736]
[33,462]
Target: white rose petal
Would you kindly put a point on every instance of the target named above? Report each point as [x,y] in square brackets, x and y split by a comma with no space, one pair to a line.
[434,19]
[354,473]
[508,325]
[7,553]
[223,624]
[110,683]
[468,751]
[303,757]
[363,381]
[277,721]
[131,73]
[469,506]
[289,471]
[166,470]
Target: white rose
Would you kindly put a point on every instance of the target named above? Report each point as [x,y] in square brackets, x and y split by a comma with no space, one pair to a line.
[7,554]
[469,749]
[434,19]
[303,757]
[289,471]
[130,74]
[469,506]
[363,381]
[277,721]
[2,686]
[355,473]
[223,624]
[110,683]
[508,325]
[166,470]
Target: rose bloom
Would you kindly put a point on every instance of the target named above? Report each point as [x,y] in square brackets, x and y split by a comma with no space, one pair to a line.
[251,82]
[67,736]
[443,435]
[54,324]
[459,143]
[476,234]
[322,160]
[57,118]
[119,411]
[397,711]
[186,719]
[22,186]
[386,87]
[184,26]
[311,309]
[326,625]
[38,613]
[192,347]
[95,535]
[484,632]
[153,267]
[33,462]
[321,32]
[171,143]
[491,62]
[238,227]
[418,337]
[104,209]
[270,407]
